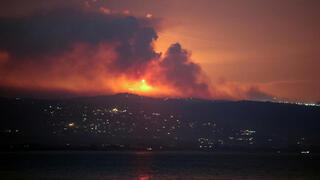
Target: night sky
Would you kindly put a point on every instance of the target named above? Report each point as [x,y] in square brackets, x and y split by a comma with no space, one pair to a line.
[253,50]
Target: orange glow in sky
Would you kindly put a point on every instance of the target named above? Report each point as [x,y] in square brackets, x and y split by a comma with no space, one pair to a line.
[270,46]
[140,87]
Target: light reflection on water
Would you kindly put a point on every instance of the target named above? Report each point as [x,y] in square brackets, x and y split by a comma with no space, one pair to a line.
[144,161]
[156,166]
[143,177]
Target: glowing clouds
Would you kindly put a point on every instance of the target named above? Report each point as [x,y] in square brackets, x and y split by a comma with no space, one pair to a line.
[95,53]
[184,75]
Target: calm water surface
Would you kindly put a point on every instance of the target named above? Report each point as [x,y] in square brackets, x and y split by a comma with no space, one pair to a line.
[157,165]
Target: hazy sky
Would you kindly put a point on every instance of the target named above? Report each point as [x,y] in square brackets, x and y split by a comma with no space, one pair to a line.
[270,47]
[270,43]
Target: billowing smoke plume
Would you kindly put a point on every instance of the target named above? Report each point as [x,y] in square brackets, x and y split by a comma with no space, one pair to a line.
[55,32]
[183,74]
[89,52]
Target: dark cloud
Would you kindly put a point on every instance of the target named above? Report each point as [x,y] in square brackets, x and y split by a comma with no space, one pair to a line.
[140,50]
[54,32]
[181,72]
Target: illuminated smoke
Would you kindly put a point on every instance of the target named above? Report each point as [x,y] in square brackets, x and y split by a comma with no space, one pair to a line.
[179,71]
[76,52]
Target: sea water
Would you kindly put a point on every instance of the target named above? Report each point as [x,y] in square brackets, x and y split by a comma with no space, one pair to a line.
[157,165]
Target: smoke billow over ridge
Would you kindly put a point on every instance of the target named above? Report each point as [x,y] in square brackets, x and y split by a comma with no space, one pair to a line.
[89,53]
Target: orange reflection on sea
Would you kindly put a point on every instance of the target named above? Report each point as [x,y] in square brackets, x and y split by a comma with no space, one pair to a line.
[143,177]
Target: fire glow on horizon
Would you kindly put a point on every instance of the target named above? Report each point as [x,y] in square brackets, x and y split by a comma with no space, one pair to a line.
[80,48]
[140,87]
[113,54]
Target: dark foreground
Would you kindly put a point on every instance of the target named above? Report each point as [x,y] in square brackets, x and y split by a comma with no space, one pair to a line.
[157,165]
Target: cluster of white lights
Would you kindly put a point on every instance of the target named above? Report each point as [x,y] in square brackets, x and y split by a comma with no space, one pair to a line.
[299,103]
